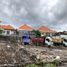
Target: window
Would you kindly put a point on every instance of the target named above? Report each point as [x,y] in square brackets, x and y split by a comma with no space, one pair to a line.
[42,33]
[48,40]
[65,40]
[8,32]
[3,31]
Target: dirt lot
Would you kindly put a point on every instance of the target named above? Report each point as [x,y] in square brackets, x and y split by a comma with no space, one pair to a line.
[15,54]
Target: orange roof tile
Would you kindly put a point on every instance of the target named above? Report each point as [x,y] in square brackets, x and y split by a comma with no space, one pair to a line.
[26,27]
[7,27]
[45,29]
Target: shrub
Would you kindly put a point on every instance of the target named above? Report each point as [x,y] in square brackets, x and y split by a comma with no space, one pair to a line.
[31,65]
[56,62]
[41,64]
[1,31]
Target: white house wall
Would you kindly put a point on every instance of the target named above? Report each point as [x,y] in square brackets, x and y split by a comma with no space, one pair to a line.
[10,32]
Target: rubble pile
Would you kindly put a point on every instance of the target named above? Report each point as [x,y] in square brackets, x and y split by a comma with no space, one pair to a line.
[18,55]
[49,54]
[10,54]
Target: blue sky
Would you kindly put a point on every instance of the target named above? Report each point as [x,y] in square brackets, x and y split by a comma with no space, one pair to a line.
[50,13]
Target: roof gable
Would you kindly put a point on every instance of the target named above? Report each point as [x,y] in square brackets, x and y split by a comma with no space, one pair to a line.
[45,29]
[8,27]
[26,27]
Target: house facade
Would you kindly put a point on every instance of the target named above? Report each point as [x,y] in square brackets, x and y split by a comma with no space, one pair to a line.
[8,30]
[46,31]
[26,30]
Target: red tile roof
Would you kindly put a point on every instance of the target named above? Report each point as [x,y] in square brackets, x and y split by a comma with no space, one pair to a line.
[7,27]
[26,27]
[45,29]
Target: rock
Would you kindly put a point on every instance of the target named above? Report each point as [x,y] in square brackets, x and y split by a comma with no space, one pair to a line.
[57,58]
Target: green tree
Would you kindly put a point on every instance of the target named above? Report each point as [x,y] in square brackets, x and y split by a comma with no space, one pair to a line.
[37,33]
[1,31]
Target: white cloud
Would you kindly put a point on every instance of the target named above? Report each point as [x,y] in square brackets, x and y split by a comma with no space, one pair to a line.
[35,12]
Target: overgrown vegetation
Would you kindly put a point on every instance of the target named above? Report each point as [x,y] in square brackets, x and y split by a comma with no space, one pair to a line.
[41,65]
[55,63]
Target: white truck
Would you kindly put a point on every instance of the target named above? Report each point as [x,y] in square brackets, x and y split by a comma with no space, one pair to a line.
[48,41]
[56,40]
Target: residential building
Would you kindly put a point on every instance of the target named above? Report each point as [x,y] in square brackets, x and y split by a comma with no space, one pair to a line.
[8,30]
[26,30]
[45,31]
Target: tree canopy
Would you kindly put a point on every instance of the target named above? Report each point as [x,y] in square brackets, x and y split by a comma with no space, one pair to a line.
[37,33]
